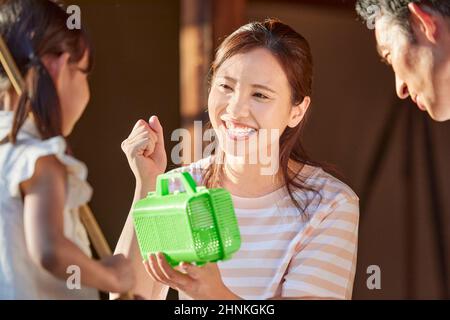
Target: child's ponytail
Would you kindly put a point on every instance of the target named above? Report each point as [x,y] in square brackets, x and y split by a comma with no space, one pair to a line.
[32,29]
[41,99]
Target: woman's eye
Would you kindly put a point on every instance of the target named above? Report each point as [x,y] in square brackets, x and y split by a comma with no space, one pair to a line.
[224,86]
[260,96]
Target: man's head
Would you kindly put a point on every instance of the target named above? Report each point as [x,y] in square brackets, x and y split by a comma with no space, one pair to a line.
[414,37]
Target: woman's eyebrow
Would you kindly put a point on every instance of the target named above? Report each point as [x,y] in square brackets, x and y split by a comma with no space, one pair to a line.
[227,78]
[258,86]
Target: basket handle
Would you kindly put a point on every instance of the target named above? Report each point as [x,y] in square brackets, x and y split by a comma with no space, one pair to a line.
[162,182]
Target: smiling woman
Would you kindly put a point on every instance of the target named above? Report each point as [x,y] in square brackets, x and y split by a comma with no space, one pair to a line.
[298,225]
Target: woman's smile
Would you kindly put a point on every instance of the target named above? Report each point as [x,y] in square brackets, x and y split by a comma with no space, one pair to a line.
[237,131]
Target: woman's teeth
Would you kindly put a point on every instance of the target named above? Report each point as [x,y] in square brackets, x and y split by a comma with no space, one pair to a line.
[239,131]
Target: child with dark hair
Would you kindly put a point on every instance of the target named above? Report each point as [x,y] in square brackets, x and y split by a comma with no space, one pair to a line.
[41,184]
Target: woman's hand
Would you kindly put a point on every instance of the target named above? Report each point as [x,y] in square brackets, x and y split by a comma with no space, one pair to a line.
[145,150]
[199,283]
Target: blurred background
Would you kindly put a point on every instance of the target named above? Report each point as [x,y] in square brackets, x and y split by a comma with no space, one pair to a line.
[153,56]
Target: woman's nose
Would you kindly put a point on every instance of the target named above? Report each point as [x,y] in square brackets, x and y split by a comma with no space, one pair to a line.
[238,107]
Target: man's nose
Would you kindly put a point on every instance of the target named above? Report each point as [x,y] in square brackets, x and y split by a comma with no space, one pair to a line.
[402,88]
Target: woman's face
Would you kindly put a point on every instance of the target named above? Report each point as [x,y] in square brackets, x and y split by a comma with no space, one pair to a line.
[250,103]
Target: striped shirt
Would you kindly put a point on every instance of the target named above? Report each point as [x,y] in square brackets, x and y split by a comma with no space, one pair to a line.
[283,255]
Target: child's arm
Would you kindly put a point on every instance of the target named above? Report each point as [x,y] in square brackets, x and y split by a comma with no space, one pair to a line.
[44,198]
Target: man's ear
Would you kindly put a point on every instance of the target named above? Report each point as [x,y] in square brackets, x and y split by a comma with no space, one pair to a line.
[425,21]
[298,112]
[56,66]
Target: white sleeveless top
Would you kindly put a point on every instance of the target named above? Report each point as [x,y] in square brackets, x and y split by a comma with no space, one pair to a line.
[20,277]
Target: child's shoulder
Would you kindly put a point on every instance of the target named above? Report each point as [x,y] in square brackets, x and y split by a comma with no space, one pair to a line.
[20,162]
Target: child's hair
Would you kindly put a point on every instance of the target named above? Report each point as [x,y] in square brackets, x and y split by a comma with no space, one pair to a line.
[31,30]
[294,55]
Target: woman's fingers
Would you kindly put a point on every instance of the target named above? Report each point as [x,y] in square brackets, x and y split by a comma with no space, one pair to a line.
[159,269]
[155,125]
[179,279]
[142,136]
[193,271]
[149,270]
[137,131]
[138,137]
[145,139]
[142,142]
[165,268]
[138,123]
[157,274]
[140,126]
[136,148]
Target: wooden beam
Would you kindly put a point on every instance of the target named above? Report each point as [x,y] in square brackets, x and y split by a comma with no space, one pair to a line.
[204,24]
[228,15]
[338,4]
[195,58]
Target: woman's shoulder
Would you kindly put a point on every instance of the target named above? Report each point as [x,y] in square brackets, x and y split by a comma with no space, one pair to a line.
[328,184]
[325,193]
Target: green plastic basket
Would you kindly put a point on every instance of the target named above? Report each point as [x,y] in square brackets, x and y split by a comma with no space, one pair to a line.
[197,225]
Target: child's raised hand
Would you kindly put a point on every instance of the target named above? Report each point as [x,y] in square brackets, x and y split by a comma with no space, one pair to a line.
[145,150]
[122,272]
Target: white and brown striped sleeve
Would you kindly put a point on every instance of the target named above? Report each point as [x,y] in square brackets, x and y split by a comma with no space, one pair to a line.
[324,263]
